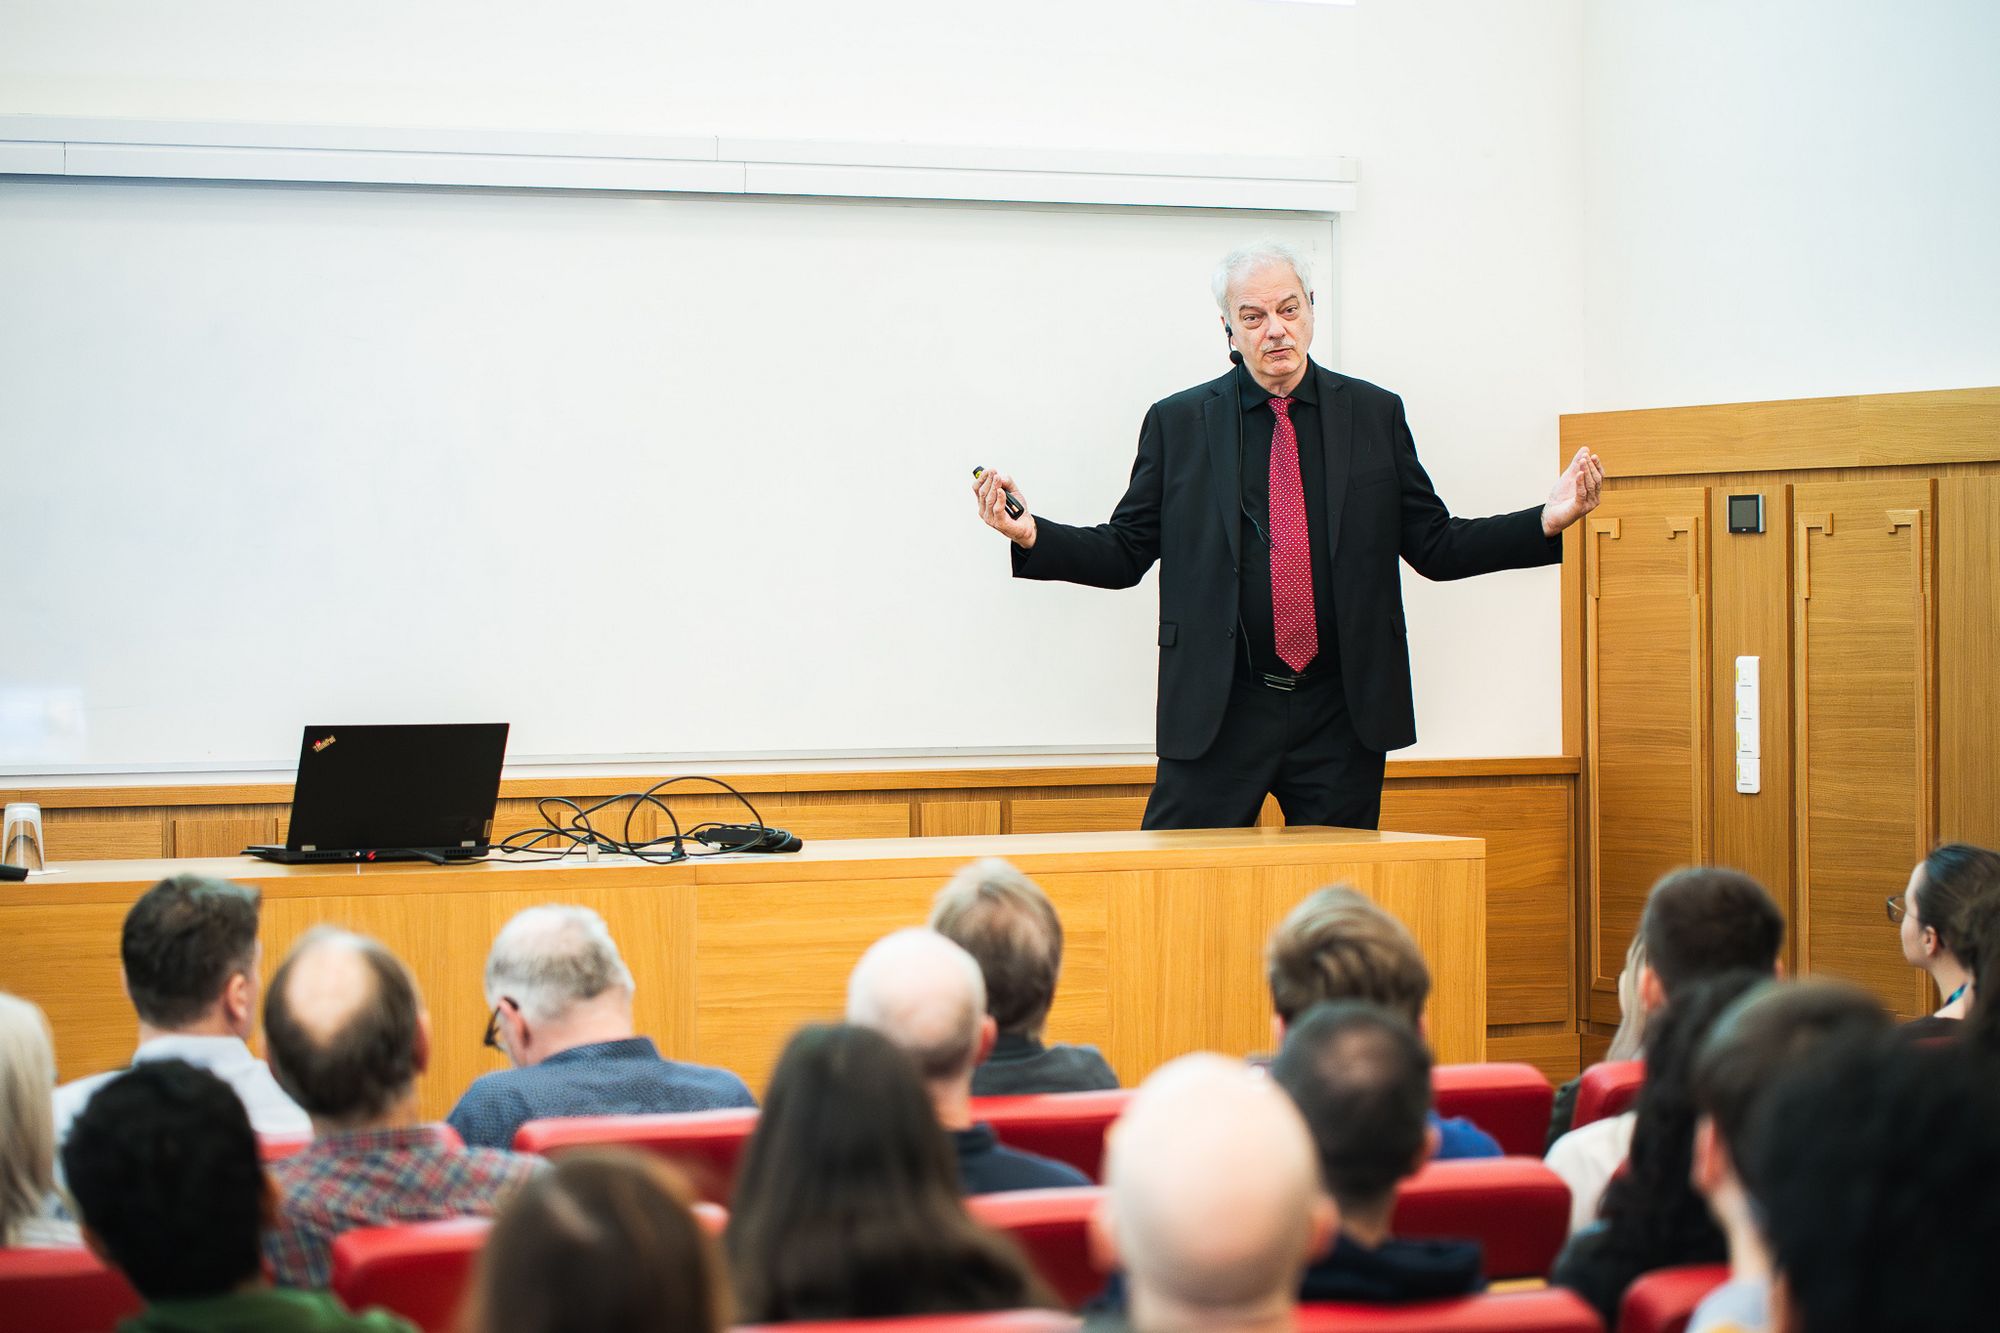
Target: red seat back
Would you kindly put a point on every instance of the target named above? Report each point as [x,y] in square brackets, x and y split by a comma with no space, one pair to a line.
[998,1321]
[1550,1311]
[277,1147]
[62,1291]
[1509,1101]
[1607,1089]
[1068,1126]
[1515,1207]
[1664,1301]
[1053,1228]
[704,1144]
[419,1270]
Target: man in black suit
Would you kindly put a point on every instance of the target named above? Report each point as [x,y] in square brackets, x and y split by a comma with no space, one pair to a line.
[1277,500]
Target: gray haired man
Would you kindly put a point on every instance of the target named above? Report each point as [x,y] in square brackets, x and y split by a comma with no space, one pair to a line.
[562,1011]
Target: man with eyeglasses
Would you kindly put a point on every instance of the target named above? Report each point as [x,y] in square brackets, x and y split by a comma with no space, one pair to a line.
[561,1002]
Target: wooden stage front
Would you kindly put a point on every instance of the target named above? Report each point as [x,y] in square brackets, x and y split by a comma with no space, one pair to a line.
[1164,935]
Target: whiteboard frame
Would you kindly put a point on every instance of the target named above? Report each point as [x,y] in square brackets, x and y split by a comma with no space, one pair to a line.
[706,164]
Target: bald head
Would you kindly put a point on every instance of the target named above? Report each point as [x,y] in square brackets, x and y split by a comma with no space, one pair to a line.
[926,995]
[345,1027]
[1214,1204]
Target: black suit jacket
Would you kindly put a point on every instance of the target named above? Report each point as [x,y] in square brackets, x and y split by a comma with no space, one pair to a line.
[1182,508]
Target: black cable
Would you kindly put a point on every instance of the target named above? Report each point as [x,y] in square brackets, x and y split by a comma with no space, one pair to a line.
[576,830]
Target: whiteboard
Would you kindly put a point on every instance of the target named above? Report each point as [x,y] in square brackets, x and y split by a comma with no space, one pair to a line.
[646,476]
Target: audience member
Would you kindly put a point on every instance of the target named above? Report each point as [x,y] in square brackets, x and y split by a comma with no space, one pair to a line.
[190,953]
[29,1211]
[847,1204]
[1009,926]
[164,1168]
[1768,1031]
[1698,923]
[562,1011]
[602,1242]
[1982,958]
[1652,1216]
[349,1038]
[1931,918]
[1213,1207]
[1362,1078]
[1627,1043]
[1871,1164]
[927,996]
[1337,945]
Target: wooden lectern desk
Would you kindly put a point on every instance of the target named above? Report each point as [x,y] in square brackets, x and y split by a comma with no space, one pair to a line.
[1163,936]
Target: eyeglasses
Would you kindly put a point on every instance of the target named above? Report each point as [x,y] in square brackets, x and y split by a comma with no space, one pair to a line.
[492,1039]
[1897,911]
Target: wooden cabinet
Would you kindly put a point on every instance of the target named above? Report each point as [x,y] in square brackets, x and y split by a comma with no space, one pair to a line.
[1870,604]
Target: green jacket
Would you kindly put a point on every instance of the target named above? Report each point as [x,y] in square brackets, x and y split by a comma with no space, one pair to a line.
[263,1310]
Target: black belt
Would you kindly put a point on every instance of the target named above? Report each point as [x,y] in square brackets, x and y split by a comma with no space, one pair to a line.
[1273,681]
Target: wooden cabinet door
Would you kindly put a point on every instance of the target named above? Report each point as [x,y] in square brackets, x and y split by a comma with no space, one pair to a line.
[1864,702]
[1647,681]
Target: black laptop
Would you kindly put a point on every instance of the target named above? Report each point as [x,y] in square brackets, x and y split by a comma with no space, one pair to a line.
[394,793]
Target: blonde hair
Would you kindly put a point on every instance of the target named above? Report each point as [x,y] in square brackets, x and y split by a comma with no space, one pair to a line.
[27,1114]
[1630,1040]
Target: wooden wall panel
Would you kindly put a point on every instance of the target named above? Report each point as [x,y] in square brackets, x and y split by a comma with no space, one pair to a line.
[1863,688]
[1646,647]
[952,819]
[220,834]
[94,835]
[1751,612]
[1969,659]
[1528,891]
[1076,814]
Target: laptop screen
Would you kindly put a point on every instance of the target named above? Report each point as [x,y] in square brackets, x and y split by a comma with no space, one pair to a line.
[429,786]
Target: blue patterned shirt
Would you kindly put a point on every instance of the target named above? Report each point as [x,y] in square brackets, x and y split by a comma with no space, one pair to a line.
[604,1078]
[378,1177]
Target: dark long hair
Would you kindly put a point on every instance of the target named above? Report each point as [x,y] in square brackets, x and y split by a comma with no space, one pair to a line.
[847,1205]
[603,1239]
[1652,1216]
[1956,875]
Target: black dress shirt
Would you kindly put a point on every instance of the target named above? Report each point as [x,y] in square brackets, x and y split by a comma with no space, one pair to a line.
[1260,635]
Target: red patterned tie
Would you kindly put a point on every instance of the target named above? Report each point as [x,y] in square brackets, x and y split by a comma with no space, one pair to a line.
[1291,556]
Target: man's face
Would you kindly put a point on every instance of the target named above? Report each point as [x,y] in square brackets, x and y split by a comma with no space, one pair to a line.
[1270,321]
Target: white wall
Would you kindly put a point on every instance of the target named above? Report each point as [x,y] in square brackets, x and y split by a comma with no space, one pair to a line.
[1790,198]
[1460,283]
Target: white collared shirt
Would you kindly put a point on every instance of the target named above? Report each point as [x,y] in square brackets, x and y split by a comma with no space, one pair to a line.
[1586,1159]
[228,1058]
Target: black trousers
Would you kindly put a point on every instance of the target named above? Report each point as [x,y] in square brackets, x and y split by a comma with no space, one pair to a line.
[1298,745]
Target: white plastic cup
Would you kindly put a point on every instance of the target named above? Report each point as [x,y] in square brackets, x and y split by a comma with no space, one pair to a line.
[21,841]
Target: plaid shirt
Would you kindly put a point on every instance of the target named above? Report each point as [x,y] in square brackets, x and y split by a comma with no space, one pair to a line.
[378,1177]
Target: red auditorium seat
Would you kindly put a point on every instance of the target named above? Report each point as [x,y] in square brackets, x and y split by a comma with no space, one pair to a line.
[1509,1101]
[1068,1126]
[1664,1301]
[1551,1311]
[1607,1089]
[277,1147]
[999,1321]
[419,1270]
[1515,1207]
[704,1144]
[62,1291]
[1053,1227]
